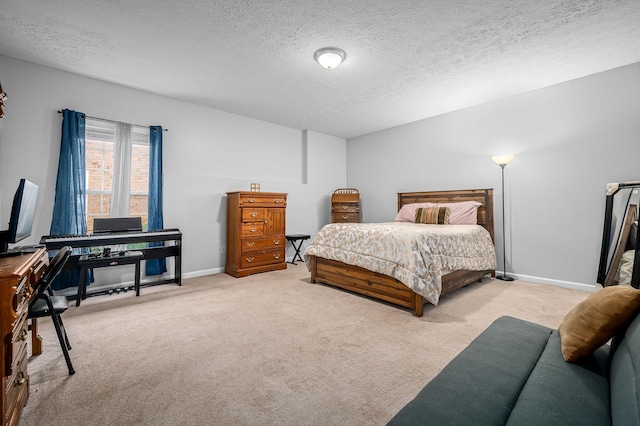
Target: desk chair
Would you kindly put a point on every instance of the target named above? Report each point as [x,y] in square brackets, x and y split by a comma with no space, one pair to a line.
[43,303]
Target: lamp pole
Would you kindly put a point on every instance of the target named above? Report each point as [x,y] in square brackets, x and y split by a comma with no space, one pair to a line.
[503,160]
[504,276]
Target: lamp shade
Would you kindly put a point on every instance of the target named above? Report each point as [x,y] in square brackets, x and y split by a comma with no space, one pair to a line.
[502,160]
[329,57]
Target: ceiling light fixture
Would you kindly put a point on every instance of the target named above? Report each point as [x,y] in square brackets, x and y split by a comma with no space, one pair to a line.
[329,57]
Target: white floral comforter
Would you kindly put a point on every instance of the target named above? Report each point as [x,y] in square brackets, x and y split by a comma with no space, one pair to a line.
[415,254]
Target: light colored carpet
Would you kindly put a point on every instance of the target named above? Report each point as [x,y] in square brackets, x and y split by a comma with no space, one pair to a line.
[269,349]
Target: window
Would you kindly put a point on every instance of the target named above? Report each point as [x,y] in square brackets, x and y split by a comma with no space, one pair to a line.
[100,151]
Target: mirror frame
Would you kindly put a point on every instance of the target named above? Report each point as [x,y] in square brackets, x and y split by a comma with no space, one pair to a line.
[605,275]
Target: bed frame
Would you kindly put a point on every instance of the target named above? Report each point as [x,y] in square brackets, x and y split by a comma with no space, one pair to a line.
[388,289]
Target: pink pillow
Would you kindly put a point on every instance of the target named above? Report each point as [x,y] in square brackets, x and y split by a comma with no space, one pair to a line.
[407,212]
[462,213]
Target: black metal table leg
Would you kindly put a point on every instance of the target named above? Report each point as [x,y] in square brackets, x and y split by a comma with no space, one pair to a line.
[300,239]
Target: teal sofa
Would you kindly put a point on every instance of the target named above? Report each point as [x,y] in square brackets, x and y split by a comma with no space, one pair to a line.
[514,374]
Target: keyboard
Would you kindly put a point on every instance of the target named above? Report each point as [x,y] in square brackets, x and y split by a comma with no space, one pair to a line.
[53,242]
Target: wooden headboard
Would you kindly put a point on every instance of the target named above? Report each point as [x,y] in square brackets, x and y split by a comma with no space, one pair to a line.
[483,196]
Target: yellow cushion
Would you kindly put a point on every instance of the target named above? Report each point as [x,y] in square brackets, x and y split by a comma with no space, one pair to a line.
[595,320]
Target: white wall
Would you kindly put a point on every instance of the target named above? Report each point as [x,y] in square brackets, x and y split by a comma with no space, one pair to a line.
[207,152]
[569,140]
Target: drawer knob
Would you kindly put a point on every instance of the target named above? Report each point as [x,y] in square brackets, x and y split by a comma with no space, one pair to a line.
[21,380]
[276,201]
[253,214]
[23,335]
[251,200]
[250,243]
[345,216]
[276,256]
[249,259]
[345,207]
[276,242]
[252,230]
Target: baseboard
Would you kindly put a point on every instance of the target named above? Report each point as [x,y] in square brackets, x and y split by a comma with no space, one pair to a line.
[202,273]
[212,271]
[558,283]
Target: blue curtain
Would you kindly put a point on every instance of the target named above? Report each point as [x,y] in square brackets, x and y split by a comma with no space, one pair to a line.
[69,212]
[155,221]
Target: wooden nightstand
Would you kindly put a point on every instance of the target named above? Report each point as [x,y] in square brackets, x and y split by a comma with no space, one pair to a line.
[345,205]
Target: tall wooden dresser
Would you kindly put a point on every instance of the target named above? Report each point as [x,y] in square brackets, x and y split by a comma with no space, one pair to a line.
[345,205]
[255,232]
[18,275]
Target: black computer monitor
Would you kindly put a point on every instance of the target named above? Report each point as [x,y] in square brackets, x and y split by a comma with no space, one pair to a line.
[22,213]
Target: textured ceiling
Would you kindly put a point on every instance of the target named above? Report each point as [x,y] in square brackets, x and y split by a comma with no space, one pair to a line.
[406,60]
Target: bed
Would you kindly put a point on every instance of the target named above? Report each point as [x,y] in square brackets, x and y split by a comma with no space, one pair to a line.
[388,289]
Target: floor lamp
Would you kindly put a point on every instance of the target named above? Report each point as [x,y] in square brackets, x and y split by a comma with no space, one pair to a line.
[503,160]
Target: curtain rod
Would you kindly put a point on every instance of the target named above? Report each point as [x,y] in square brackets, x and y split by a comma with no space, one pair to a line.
[112,121]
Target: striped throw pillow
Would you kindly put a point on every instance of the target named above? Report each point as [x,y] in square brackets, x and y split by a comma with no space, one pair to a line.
[432,215]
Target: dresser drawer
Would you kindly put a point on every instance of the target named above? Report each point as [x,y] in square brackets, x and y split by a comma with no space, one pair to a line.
[250,214]
[260,244]
[252,229]
[262,200]
[18,344]
[349,195]
[262,258]
[21,297]
[345,217]
[345,207]
[16,389]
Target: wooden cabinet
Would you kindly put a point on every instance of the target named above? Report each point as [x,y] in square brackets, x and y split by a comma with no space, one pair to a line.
[255,232]
[18,276]
[345,205]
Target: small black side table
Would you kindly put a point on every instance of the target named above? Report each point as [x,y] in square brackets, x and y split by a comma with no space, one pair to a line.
[90,261]
[293,238]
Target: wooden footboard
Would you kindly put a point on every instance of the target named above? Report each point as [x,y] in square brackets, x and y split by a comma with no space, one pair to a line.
[365,282]
[383,287]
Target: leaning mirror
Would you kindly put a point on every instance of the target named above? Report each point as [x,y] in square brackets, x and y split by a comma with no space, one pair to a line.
[619,256]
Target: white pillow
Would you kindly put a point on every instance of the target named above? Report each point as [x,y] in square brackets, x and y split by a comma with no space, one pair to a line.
[462,213]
